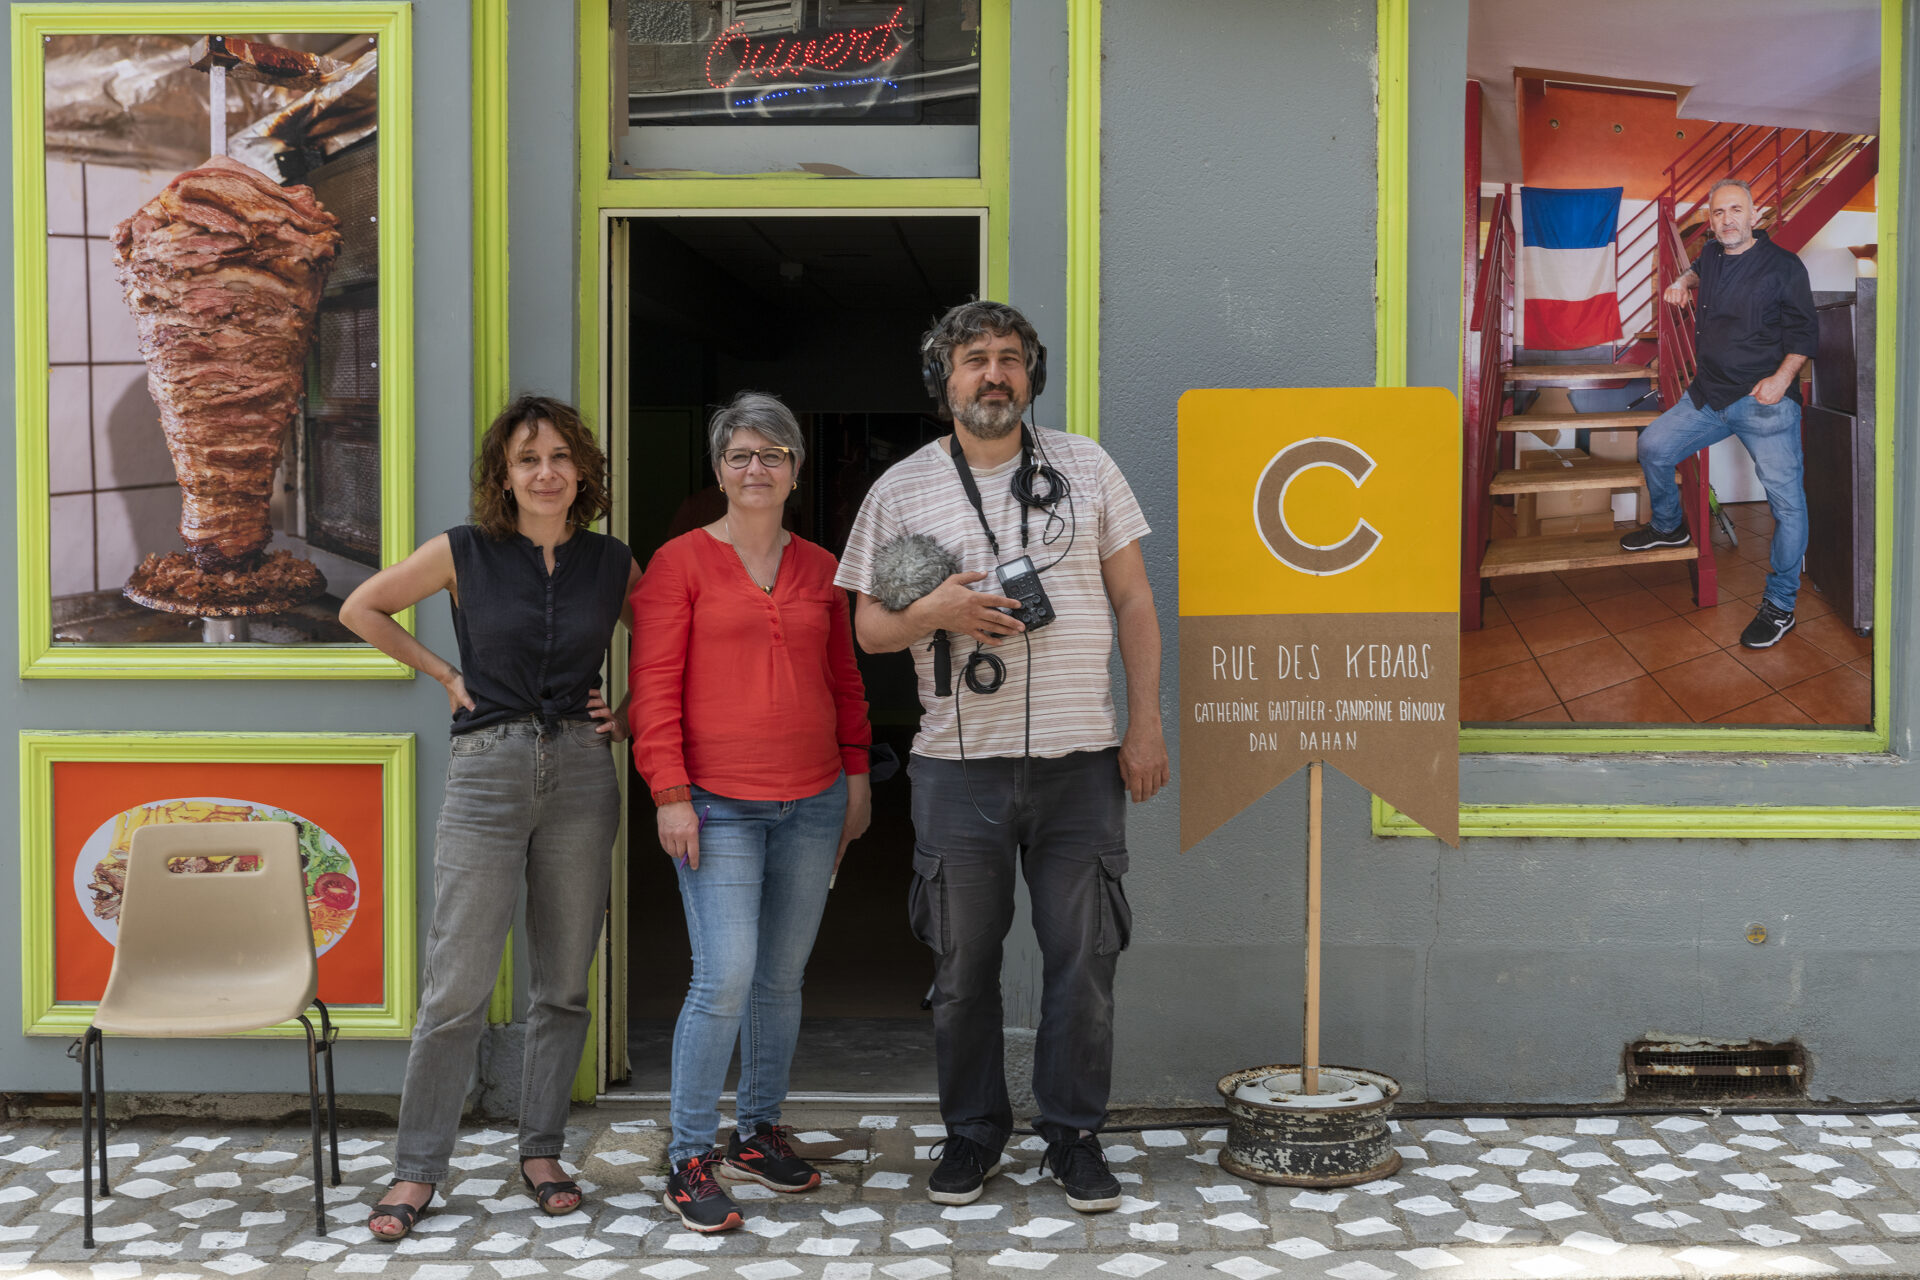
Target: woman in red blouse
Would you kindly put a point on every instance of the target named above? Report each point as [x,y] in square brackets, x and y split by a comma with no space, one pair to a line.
[750,727]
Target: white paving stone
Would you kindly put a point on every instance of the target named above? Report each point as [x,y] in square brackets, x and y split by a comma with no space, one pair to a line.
[1510,1157]
[1319,1200]
[1245,1268]
[1671,1220]
[1664,1172]
[1586,1159]
[1446,1172]
[1765,1236]
[1133,1204]
[1597,1125]
[1300,1247]
[1680,1124]
[677,1269]
[1757,1124]
[1483,1232]
[1427,1206]
[828,1246]
[927,1237]
[1366,1227]
[692,1242]
[1359,1269]
[1428,1259]
[916,1269]
[971,1212]
[1551,1177]
[1019,1260]
[1751,1181]
[1036,1229]
[1640,1147]
[1548,1142]
[1164,1138]
[1588,1242]
[1862,1255]
[1727,1202]
[776,1269]
[1131,1265]
[1154,1232]
[1448,1136]
[1223,1193]
[631,1224]
[1845,1188]
[1552,1211]
[888,1182]
[1490,1193]
[1758,1141]
[1902,1224]
[1826,1220]
[1237,1222]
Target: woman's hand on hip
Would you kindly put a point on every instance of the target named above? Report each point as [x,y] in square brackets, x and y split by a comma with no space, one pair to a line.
[680,832]
[457,695]
[604,720]
[859,814]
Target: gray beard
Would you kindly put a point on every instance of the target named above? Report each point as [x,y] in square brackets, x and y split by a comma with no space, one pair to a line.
[989,423]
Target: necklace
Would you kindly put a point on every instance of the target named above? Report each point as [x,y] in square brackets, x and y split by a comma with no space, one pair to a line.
[767,587]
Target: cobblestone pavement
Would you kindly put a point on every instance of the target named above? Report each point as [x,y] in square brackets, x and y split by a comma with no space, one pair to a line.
[1537,1199]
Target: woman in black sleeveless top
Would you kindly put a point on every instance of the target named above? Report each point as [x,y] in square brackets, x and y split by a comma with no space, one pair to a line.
[531,794]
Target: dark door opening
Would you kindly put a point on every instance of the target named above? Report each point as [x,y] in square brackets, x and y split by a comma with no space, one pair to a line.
[825,312]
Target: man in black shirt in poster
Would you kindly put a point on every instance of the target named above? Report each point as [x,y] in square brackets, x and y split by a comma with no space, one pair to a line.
[1754,329]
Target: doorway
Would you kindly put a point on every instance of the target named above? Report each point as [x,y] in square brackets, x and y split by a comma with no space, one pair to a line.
[826,312]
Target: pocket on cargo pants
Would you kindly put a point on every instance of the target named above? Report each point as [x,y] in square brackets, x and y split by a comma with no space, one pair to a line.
[927,902]
[1116,916]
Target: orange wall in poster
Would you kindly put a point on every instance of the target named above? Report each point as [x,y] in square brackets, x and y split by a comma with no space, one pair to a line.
[344,800]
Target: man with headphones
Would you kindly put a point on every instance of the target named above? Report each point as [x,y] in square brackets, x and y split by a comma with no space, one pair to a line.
[1020,769]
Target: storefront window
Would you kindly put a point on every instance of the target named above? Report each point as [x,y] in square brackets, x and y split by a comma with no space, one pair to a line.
[769,86]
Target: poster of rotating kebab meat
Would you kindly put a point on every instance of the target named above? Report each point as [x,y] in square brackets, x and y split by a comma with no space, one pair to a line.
[219,439]
[87,795]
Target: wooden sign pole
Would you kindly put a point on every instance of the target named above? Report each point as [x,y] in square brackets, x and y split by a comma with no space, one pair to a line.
[1310,1041]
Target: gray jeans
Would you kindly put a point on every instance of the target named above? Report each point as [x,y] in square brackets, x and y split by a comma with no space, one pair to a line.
[528,806]
[1063,821]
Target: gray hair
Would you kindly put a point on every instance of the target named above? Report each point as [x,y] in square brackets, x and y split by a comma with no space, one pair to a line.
[1730,182]
[966,323]
[758,412]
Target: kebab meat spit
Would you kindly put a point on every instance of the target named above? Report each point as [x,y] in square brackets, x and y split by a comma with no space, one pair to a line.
[223,271]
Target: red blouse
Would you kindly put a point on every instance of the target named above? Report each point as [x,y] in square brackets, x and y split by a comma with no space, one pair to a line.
[750,695]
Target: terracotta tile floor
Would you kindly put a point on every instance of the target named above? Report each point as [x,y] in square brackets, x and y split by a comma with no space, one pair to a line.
[1625,645]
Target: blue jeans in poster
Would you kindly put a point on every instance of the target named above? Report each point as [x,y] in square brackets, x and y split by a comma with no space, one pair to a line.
[1771,433]
[753,908]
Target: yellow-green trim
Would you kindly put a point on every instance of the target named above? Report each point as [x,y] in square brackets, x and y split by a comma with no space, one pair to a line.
[1390,250]
[1683,822]
[500,1003]
[393,752]
[1514,739]
[391,22]
[1083,217]
[492,376]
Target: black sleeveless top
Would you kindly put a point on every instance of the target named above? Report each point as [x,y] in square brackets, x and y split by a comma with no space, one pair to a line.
[530,643]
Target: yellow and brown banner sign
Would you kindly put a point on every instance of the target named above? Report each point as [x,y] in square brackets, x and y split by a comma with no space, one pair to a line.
[1319,597]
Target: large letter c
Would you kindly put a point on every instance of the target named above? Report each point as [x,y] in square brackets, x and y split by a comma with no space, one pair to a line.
[1270,507]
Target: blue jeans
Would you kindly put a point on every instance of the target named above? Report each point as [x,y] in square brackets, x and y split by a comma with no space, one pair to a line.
[1771,434]
[753,909]
[525,805]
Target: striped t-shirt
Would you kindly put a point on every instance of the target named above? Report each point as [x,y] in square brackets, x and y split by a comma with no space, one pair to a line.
[1072,696]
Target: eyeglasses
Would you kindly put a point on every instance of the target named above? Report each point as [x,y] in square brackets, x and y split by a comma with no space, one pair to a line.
[772,457]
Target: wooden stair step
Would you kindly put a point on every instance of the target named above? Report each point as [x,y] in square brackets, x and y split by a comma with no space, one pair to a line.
[1591,475]
[1622,420]
[1510,557]
[1574,375]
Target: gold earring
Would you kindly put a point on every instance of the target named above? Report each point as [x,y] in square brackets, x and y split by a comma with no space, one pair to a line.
[796,484]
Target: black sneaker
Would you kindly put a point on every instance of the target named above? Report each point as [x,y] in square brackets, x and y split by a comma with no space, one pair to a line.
[964,1168]
[1081,1168]
[1768,627]
[1646,538]
[768,1159]
[693,1193]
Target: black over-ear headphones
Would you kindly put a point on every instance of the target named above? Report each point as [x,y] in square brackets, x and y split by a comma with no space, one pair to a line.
[934,378]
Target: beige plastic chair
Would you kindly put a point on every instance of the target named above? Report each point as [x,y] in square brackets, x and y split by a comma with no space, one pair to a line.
[209,954]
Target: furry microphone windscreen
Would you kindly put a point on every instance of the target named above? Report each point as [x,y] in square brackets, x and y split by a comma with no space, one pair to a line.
[908,567]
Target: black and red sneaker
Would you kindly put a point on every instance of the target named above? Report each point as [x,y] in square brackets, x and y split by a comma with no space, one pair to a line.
[694,1194]
[768,1159]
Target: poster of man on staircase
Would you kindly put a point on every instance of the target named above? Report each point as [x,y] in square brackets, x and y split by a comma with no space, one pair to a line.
[1684,227]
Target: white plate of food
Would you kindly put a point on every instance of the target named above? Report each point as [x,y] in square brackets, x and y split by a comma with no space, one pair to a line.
[99,872]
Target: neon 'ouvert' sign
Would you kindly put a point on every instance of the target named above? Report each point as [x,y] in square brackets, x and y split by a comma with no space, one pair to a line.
[734,53]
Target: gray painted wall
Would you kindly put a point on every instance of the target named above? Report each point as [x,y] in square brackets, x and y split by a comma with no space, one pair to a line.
[1238,251]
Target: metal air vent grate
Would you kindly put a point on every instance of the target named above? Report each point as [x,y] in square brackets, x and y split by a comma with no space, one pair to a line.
[1687,1072]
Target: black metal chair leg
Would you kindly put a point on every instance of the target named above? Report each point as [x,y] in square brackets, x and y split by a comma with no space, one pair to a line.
[313,1115]
[100,1100]
[327,1036]
[85,1047]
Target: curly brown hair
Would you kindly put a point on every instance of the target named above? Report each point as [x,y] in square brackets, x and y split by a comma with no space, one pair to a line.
[493,505]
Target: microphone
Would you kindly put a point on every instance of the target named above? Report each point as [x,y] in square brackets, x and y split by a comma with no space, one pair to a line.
[906,568]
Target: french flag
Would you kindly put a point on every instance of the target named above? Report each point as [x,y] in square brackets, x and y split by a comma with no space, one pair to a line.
[1567,266]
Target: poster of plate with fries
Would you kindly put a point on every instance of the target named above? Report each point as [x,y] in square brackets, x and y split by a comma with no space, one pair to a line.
[100,872]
